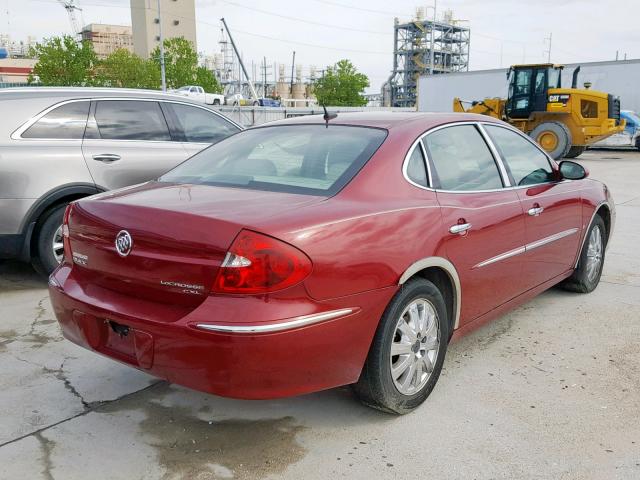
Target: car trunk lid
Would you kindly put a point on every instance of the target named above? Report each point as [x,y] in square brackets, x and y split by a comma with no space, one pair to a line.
[180,235]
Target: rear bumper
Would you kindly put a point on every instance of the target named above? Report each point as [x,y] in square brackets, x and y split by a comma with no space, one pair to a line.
[240,363]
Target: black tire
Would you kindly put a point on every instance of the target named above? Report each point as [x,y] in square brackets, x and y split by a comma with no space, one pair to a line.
[216,101]
[560,131]
[256,104]
[580,281]
[376,387]
[575,151]
[45,261]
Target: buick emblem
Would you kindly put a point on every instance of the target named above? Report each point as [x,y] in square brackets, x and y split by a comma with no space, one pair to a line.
[124,243]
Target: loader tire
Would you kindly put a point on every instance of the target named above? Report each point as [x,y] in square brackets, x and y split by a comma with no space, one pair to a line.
[554,138]
[575,151]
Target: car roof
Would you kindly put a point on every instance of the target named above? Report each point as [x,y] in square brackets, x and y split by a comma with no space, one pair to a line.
[388,119]
[87,92]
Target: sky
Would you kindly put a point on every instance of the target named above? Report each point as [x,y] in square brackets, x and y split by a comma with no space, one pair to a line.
[322,32]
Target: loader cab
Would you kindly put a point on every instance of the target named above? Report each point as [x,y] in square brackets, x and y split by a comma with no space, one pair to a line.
[528,88]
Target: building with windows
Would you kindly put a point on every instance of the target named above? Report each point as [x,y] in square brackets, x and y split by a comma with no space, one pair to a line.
[106,39]
[14,71]
[178,20]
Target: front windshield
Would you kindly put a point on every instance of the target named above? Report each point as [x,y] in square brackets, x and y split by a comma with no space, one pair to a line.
[308,159]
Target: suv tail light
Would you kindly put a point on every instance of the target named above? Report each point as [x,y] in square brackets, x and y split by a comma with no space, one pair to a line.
[257,263]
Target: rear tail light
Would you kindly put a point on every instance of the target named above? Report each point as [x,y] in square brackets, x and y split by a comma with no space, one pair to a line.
[257,263]
[65,231]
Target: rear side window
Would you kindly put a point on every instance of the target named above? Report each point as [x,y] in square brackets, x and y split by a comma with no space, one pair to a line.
[527,164]
[416,169]
[199,125]
[307,159]
[130,120]
[67,121]
[462,160]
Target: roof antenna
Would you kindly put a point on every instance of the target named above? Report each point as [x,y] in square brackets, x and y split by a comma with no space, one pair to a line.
[328,116]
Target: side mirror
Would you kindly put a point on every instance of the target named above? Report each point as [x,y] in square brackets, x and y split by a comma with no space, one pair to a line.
[572,170]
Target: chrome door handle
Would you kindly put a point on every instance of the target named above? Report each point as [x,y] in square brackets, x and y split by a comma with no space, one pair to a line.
[106,157]
[535,211]
[460,228]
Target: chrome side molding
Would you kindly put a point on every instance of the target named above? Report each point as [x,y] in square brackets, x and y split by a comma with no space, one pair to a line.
[295,322]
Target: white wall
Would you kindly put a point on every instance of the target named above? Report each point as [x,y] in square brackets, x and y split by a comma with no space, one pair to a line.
[436,93]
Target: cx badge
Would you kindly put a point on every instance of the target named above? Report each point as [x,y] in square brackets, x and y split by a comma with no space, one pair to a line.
[124,243]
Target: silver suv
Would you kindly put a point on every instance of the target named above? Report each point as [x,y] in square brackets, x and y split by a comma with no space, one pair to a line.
[61,144]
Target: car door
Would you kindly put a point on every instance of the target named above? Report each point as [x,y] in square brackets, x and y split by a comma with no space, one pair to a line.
[483,227]
[552,207]
[128,142]
[196,127]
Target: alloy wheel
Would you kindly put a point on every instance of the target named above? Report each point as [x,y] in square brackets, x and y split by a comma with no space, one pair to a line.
[415,346]
[57,245]
[594,253]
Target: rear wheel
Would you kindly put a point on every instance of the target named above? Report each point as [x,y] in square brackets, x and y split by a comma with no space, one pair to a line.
[586,276]
[407,353]
[575,151]
[49,241]
[216,101]
[553,137]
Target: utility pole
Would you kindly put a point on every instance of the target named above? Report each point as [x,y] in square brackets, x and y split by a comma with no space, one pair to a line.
[264,76]
[549,50]
[293,64]
[163,75]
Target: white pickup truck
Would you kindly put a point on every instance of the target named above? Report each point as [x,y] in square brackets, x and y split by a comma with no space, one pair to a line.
[198,94]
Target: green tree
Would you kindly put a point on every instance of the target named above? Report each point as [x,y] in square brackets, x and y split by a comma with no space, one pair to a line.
[127,70]
[207,80]
[341,86]
[63,62]
[181,66]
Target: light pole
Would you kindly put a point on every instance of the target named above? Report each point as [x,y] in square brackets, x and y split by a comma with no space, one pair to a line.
[162,69]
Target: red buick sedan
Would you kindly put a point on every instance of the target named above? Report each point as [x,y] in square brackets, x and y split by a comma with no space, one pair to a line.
[303,254]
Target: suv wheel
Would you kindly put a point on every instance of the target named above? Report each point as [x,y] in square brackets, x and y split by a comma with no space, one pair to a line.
[49,241]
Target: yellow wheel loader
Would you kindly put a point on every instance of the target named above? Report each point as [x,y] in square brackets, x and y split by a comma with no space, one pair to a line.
[562,120]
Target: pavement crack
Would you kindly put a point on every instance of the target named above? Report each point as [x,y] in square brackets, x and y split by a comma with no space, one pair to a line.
[60,375]
[47,447]
[91,407]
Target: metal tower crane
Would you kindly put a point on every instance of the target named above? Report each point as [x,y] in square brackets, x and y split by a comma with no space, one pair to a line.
[71,8]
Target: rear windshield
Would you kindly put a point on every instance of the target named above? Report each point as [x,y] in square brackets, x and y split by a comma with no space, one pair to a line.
[307,159]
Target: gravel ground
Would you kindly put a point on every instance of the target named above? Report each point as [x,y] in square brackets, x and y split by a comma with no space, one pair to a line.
[551,390]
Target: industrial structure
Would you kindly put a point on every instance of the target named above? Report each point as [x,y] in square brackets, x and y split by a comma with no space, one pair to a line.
[178,19]
[424,47]
[266,79]
[17,49]
[106,39]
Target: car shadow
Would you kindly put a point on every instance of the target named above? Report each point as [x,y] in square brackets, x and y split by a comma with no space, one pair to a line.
[19,276]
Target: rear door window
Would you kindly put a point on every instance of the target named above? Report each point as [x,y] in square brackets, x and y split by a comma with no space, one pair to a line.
[461,160]
[67,121]
[526,163]
[130,120]
[198,125]
[307,159]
